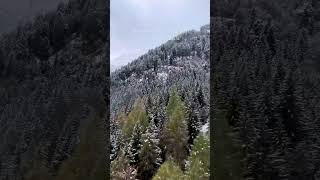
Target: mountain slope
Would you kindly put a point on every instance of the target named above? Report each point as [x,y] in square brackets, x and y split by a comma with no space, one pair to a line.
[265,68]
[147,84]
[52,77]
[188,51]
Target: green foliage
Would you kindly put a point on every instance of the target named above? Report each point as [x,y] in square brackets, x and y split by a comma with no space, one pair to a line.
[122,119]
[199,159]
[175,136]
[228,155]
[88,161]
[121,169]
[137,115]
[169,170]
[174,103]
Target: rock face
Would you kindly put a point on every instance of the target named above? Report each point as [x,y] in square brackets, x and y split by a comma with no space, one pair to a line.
[182,63]
[53,73]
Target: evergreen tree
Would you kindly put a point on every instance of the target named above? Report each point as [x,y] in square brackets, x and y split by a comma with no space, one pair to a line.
[290,111]
[88,160]
[155,63]
[150,153]
[198,167]
[169,170]
[193,122]
[122,119]
[2,62]
[116,139]
[57,32]
[134,147]
[228,154]
[175,134]
[121,169]
[137,115]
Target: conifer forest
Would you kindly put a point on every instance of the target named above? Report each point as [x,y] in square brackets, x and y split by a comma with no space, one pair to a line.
[265,89]
[235,99]
[52,98]
[160,112]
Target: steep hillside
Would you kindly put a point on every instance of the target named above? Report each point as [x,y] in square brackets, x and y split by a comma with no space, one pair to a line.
[186,53]
[52,77]
[265,68]
[143,89]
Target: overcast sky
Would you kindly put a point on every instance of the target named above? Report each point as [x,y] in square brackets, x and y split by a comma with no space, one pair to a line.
[140,25]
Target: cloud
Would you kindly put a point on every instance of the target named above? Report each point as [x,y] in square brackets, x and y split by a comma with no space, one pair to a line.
[146,7]
[124,58]
[138,25]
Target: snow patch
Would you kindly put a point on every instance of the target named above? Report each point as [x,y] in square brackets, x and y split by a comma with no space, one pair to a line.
[163,76]
[205,128]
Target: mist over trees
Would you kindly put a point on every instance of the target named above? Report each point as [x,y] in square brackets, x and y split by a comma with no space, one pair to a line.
[15,12]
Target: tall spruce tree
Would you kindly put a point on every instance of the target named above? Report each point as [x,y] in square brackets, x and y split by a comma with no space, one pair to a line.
[121,169]
[198,167]
[137,115]
[150,153]
[88,160]
[169,170]
[175,133]
[134,146]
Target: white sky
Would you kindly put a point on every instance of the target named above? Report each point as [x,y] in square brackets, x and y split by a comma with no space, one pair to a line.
[140,25]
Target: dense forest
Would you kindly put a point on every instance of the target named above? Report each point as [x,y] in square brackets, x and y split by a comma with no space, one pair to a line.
[53,79]
[160,112]
[265,89]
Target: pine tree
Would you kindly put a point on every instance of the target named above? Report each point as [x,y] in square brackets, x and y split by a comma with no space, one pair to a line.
[159,114]
[116,140]
[150,153]
[193,122]
[175,134]
[88,161]
[228,153]
[137,115]
[198,167]
[169,170]
[134,147]
[122,119]
[290,110]
[155,64]
[2,62]
[121,169]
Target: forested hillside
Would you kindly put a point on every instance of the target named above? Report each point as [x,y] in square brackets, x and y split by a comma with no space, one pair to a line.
[265,78]
[160,112]
[52,105]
